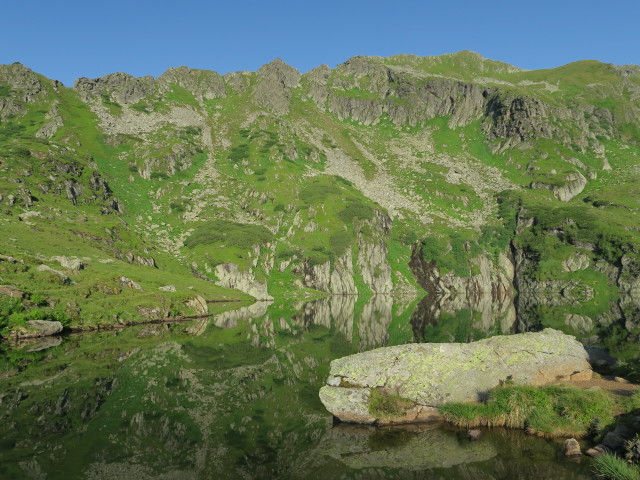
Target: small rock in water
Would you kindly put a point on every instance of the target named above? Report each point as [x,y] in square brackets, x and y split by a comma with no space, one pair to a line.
[595,451]
[474,434]
[571,447]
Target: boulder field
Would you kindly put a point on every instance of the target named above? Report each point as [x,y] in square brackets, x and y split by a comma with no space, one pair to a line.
[406,383]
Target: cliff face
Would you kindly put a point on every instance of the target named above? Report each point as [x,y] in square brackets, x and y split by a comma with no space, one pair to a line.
[279,183]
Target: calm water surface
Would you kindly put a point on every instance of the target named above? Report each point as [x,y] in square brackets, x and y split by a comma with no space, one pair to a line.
[236,396]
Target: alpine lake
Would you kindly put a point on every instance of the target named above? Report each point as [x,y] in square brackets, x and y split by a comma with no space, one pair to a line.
[235,395]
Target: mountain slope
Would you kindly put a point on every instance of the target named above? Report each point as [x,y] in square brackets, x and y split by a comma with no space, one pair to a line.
[383,175]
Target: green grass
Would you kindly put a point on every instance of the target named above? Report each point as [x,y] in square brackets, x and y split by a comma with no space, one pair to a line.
[611,467]
[264,181]
[386,406]
[230,234]
[551,411]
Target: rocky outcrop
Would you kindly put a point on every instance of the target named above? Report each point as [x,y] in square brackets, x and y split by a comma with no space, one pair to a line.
[13,292]
[204,84]
[425,376]
[274,82]
[69,263]
[121,88]
[63,276]
[128,283]
[366,89]
[40,328]
[576,261]
[579,323]
[229,275]
[197,304]
[573,185]
[24,87]
[490,291]
[629,277]
[399,96]
[336,279]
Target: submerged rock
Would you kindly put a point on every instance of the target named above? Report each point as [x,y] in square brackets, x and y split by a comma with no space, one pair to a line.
[420,377]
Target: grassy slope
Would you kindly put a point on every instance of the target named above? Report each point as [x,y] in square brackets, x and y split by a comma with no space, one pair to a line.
[253,160]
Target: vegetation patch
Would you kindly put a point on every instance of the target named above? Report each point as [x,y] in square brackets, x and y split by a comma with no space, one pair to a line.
[611,467]
[356,209]
[230,234]
[387,406]
[551,411]
[317,192]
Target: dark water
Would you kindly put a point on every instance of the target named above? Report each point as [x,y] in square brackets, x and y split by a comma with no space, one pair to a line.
[236,396]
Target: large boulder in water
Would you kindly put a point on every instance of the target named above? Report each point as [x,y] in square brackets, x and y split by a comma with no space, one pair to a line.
[407,383]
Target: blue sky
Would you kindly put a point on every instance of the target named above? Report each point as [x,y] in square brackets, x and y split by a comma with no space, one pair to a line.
[68,39]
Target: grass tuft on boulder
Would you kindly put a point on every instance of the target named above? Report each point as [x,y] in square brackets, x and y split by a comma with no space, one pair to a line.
[387,406]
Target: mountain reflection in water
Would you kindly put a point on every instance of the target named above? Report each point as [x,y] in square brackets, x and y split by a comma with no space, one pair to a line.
[236,395]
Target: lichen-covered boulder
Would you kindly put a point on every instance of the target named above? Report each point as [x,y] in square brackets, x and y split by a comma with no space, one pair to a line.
[420,377]
[41,328]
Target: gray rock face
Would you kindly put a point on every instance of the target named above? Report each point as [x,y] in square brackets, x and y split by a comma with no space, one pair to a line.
[128,283]
[372,255]
[198,304]
[43,328]
[63,277]
[577,261]
[204,84]
[431,374]
[490,291]
[580,323]
[337,280]
[230,276]
[574,184]
[120,87]
[26,87]
[275,81]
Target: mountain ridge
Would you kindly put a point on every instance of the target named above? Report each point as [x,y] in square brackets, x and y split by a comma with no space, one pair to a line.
[382,175]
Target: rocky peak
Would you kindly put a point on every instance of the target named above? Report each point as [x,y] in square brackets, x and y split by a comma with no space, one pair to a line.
[204,84]
[286,74]
[22,80]
[121,87]
[275,80]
